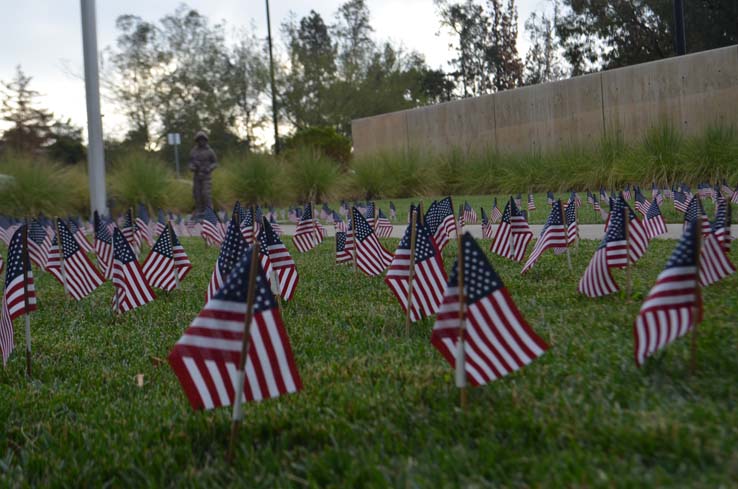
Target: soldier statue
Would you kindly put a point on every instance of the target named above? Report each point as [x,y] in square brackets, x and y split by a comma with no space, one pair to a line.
[202,164]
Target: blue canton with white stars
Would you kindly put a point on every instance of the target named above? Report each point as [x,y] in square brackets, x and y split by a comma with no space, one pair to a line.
[480,279]
[121,249]
[235,287]
[163,245]
[69,244]
[101,231]
[424,248]
[685,254]
[15,257]
[363,230]
[232,247]
[340,241]
[36,232]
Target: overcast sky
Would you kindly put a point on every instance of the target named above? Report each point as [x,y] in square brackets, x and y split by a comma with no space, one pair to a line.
[44,37]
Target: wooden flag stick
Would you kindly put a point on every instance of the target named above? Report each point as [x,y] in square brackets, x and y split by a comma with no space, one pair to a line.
[411,273]
[25,299]
[174,261]
[566,231]
[626,226]
[237,404]
[460,373]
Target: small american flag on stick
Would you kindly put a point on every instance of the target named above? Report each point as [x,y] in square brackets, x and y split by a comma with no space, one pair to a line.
[19,295]
[131,288]
[441,221]
[371,257]
[496,338]
[208,359]
[307,235]
[281,261]
[552,236]
[70,265]
[103,246]
[230,252]
[674,304]
[428,276]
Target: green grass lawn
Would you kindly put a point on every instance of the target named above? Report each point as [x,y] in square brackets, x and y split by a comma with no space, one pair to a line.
[586,215]
[379,408]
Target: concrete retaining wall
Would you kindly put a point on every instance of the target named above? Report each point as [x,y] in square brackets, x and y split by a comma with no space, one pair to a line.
[690,92]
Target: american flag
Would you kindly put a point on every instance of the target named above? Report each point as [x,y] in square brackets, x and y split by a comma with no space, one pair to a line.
[159,267]
[131,232]
[721,224]
[441,221]
[231,250]
[550,199]
[655,225]
[275,225]
[161,223]
[281,260]
[207,357]
[342,255]
[734,196]
[641,202]
[486,225]
[429,277]
[714,262]
[369,213]
[325,212]
[19,289]
[519,200]
[307,235]
[654,190]
[393,211]
[680,201]
[496,338]
[39,243]
[590,198]
[637,235]
[103,246]
[75,226]
[596,204]
[574,197]
[531,203]
[470,215]
[552,236]
[597,280]
[247,222]
[495,215]
[673,305]
[513,234]
[603,194]
[70,265]
[626,192]
[383,227]
[143,225]
[212,231]
[339,223]
[704,190]
[572,226]
[131,288]
[502,244]
[371,257]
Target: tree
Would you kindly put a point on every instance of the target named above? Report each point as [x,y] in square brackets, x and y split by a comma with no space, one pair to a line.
[597,34]
[312,70]
[543,62]
[31,125]
[486,44]
[66,146]
[138,68]
[249,82]
[353,33]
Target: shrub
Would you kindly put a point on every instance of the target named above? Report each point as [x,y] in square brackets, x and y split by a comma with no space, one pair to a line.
[35,185]
[311,176]
[139,177]
[324,140]
[254,179]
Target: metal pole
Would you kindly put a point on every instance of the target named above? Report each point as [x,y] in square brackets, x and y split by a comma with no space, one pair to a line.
[271,74]
[176,158]
[95,150]
[680,39]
